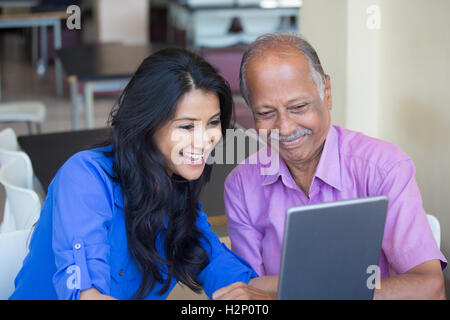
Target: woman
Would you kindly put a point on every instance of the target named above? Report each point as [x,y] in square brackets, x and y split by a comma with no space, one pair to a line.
[123,221]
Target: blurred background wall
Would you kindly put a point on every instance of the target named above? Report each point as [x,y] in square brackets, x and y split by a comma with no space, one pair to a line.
[392,82]
[122,21]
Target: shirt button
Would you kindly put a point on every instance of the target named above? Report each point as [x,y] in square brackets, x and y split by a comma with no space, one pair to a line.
[121,273]
[77,246]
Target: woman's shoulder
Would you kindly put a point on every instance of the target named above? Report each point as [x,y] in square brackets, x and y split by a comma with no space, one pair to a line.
[88,164]
[86,179]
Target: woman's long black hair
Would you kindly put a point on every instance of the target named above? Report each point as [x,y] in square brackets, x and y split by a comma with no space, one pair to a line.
[151,196]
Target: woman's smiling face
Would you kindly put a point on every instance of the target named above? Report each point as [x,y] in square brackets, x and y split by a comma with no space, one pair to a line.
[187,139]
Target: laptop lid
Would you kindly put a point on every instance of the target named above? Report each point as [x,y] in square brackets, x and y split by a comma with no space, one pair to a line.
[331,250]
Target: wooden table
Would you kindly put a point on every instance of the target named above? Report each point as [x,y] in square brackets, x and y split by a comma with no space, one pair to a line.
[42,20]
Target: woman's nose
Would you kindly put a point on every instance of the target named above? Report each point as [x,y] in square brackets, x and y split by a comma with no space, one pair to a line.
[203,137]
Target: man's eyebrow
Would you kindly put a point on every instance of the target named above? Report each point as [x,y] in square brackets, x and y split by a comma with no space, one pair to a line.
[193,119]
[290,102]
[264,106]
[298,99]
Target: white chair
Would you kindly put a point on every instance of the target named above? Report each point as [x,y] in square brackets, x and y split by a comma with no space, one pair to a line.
[435,228]
[24,111]
[13,249]
[22,204]
[20,174]
[8,140]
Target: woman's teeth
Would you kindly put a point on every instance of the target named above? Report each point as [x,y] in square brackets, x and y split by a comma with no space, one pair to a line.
[193,156]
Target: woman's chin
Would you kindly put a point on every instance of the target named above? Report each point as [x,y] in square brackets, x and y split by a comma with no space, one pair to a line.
[191,173]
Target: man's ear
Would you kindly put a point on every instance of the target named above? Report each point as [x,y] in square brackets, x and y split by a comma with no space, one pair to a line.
[327,98]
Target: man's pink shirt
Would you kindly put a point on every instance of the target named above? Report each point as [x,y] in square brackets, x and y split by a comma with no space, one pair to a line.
[351,166]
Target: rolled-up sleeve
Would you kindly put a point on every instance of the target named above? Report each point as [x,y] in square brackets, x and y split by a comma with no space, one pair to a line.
[82,214]
[225,267]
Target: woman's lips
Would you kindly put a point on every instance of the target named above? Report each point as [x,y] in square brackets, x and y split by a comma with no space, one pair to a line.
[193,159]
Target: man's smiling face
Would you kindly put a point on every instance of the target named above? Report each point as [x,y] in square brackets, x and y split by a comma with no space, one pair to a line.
[284,97]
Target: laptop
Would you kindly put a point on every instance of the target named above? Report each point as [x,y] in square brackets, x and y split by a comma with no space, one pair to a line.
[331,250]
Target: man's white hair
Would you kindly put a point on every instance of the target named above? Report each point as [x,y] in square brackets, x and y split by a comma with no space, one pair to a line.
[279,41]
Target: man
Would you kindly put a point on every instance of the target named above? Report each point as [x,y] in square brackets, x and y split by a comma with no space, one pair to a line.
[283,82]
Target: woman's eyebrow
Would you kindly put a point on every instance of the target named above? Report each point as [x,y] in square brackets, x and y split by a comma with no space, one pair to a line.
[193,119]
[185,118]
[216,115]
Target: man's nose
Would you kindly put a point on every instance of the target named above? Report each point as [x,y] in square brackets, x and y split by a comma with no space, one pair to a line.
[286,124]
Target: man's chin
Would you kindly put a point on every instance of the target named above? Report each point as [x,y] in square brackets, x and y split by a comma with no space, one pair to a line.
[291,156]
[297,154]
[289,149]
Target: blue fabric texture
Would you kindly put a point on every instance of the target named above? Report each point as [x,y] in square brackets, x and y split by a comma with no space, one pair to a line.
[80,240]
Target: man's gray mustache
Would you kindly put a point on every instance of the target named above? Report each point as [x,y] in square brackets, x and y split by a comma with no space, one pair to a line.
[296,134]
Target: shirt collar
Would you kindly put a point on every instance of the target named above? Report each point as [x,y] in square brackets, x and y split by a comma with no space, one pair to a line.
[268,171]
[328,169]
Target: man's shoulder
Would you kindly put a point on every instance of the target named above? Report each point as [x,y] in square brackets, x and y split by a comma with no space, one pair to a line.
[356,146]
